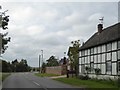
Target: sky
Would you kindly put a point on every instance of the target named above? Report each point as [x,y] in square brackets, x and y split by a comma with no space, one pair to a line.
[51,26]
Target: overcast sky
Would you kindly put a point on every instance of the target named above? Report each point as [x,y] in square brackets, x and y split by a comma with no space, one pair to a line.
[51,26]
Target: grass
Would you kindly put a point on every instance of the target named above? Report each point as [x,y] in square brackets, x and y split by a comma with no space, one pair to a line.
[0,76]
[87,83]
[3,76]
[45,75]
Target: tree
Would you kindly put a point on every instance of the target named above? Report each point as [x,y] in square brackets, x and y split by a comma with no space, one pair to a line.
[3,24]
[73,54]
[43,67]
[52,61]
[21,66]
[6,67]
[14,65]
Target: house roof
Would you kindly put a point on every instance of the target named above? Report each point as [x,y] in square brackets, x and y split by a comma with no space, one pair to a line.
[107,35]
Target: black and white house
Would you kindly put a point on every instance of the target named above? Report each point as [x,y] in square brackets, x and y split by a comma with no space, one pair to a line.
[101,51]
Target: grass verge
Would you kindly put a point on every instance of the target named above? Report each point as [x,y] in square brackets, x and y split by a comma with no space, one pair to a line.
[4,76]
[87,83]
[45,75]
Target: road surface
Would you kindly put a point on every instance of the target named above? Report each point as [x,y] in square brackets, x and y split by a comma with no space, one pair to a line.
[29,80]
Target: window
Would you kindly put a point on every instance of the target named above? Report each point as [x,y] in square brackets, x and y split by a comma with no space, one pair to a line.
[108,56]
[86,60]
[118,54]
[92,58]
[92,50]
[114,70]
[92,66]
[103,48]
[80,60]
[95,58]
[95,50]
[114,56]
[103,57]
[119,66]
[99,49]
[99,58]
[80,53]
[83,62]
[108,66]
[118,44]
[109,47]
[114,45]
[83,53]
[86,52]
[103,69]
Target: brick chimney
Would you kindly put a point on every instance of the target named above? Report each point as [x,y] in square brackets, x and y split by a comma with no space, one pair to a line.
[100,28]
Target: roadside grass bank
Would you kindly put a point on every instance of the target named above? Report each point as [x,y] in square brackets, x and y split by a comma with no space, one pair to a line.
[0,76]
[45,75]
[3,76]
[90,84]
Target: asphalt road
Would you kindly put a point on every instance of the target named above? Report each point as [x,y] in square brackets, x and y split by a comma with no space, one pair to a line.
[28,80]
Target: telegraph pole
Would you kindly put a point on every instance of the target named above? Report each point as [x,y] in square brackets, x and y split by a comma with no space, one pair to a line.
[42,59]
[39,63]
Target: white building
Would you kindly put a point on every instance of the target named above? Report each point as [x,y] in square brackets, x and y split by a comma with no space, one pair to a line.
[102,51]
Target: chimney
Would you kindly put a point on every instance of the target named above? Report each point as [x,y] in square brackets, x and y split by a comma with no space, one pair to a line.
[100,28]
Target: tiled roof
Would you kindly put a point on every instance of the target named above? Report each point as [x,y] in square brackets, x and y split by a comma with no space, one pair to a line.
[109,34]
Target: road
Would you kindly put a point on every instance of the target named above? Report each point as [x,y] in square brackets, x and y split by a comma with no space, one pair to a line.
[29,80]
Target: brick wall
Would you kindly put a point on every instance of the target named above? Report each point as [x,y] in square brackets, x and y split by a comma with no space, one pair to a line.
[59,70]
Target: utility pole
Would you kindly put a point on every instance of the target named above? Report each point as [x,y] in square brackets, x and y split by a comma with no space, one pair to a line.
[39,63]
[42,59]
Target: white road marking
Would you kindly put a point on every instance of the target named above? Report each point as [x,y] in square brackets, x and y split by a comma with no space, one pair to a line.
[36,83]
[39,85]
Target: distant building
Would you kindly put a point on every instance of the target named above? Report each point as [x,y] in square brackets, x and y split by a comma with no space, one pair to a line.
[102,51]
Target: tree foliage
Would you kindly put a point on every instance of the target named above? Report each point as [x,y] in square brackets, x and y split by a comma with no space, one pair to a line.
[15,66]
[52,61]
[73,54]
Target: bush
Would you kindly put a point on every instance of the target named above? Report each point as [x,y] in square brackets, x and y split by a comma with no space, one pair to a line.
[82,77]
[97,71]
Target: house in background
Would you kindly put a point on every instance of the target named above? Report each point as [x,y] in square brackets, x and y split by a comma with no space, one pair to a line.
[101,51]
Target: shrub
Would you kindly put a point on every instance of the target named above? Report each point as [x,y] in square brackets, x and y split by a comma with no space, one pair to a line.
[97,71]
[84,77]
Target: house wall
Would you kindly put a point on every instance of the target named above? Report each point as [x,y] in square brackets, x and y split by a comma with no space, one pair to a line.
[105,57]
[0,44]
